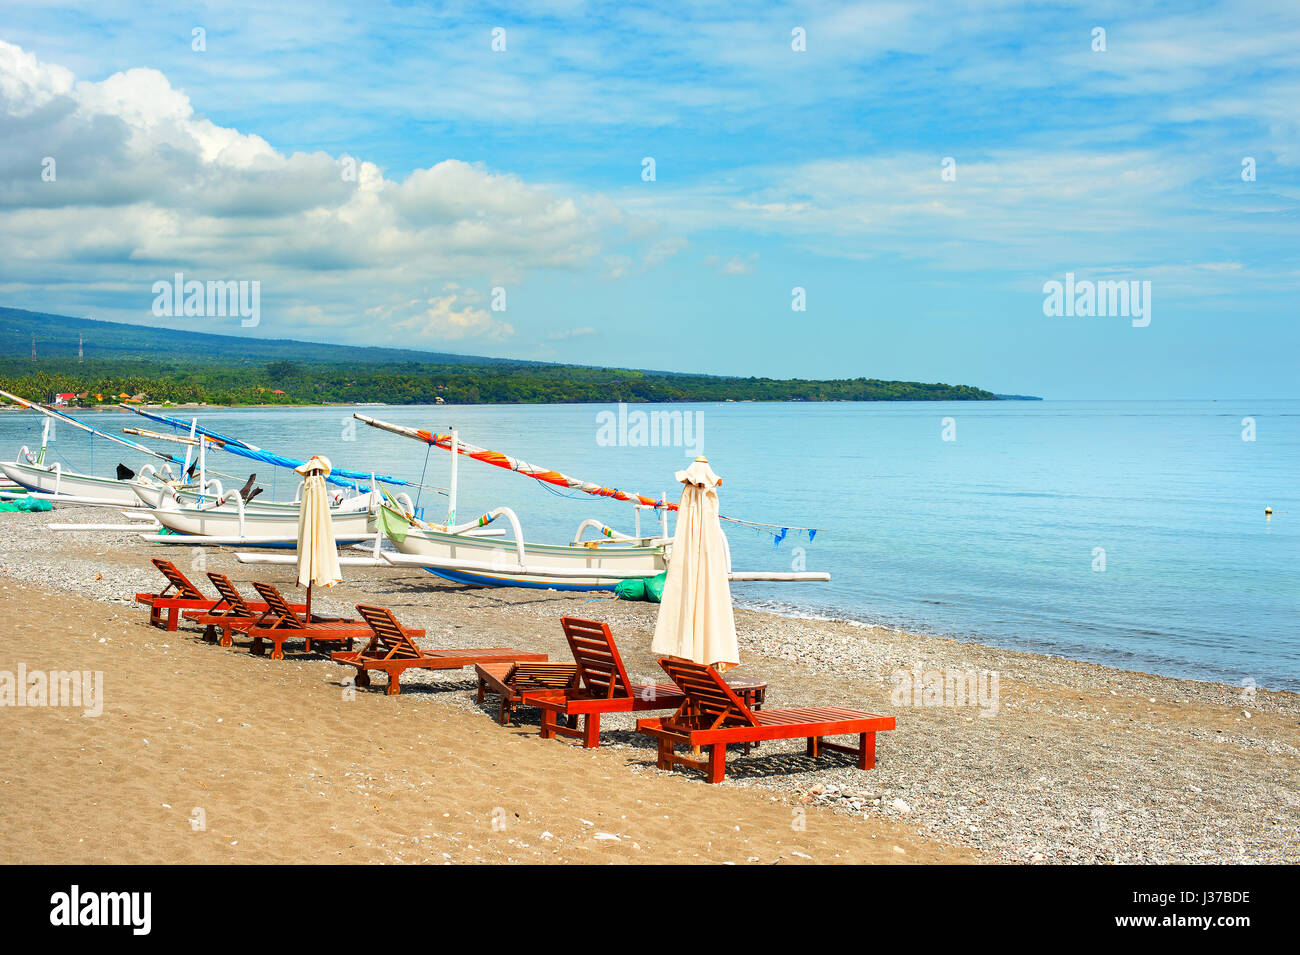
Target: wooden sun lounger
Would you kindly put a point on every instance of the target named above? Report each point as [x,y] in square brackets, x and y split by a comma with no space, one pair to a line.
[510,681]
[184,598]
[712,715]
[232,610]
[178,595]
[282,622]
[602,686]
[392,650]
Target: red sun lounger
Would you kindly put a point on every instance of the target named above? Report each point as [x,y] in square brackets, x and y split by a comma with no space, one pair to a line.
[510,681]
[602,686]
[180,595]
[281,622]
[392,650]
[231,612]
[713,716]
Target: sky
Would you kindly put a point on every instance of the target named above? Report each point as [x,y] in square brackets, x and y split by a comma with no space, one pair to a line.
[476,179]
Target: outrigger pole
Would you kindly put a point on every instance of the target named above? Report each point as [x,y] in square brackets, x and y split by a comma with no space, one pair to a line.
[451,442]
[60,416]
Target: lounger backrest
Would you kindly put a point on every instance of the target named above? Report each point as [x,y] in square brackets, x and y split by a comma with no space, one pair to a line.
[600,668]
[277,605]
[542,676]
[390,641]
[231,595]
[184,589]
[710,703]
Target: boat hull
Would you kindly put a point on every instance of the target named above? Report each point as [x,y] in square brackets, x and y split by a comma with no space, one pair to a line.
[45,480]
[570,567]
[349,527]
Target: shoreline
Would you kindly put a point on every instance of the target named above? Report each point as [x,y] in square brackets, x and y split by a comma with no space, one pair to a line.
[1072,762]
[974,640]
[204,406]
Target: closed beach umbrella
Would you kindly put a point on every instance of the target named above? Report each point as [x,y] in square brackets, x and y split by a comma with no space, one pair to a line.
[695,618]
[318,556]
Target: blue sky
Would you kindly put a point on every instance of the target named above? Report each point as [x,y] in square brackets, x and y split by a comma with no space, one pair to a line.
[775,168]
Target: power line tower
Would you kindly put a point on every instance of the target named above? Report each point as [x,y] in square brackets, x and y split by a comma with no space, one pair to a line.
[81,354]
[33,346]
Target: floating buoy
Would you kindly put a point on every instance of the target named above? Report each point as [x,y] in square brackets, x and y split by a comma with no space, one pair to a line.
[1268,512]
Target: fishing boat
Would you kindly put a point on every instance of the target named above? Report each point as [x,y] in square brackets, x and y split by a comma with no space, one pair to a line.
[153,494]
[211,515]
[462,552]
[459,554]
[53,482]
[231,523]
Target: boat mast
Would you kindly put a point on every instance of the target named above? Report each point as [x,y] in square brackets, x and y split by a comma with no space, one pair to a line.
[60,416]
[45,440]
[194,423]
[455,458]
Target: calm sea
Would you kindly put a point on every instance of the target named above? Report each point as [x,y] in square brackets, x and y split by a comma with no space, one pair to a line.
[1127,533]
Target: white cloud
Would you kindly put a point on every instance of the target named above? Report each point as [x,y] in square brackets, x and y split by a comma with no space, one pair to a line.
[736,265]
[439,318]
[664,250]
[144,187]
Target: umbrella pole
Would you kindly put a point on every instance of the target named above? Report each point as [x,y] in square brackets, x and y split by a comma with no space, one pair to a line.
[309,601]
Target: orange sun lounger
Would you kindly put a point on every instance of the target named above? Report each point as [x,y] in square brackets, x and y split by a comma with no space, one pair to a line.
[510,681]
[712,715]
[180,595]
[230,612]
[392,650]
[282,622]
[602,686]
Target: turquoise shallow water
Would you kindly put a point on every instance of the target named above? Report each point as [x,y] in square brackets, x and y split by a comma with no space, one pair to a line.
[992,536]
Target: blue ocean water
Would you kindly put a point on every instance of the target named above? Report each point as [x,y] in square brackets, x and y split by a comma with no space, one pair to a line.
[1127,533]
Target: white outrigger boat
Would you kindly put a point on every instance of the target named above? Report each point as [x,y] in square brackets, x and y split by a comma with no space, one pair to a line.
[210,515]
[179,512]
[465,554]
[228,521]
[51,482]
[57,484]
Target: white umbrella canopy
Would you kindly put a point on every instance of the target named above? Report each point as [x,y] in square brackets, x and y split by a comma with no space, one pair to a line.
[318,555]
[696,621]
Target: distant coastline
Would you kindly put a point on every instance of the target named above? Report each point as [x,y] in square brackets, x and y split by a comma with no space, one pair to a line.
[100,363]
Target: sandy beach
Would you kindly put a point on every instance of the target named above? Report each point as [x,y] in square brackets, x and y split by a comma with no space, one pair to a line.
[204,754]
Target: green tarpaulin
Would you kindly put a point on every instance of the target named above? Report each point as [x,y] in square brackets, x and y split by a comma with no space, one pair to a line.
[643,588]
[25,504]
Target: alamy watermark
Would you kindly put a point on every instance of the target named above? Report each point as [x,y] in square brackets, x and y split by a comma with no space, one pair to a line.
[179,298]
[1086,299]
[79,689]
[946,688]
[129,909]
[640,429]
